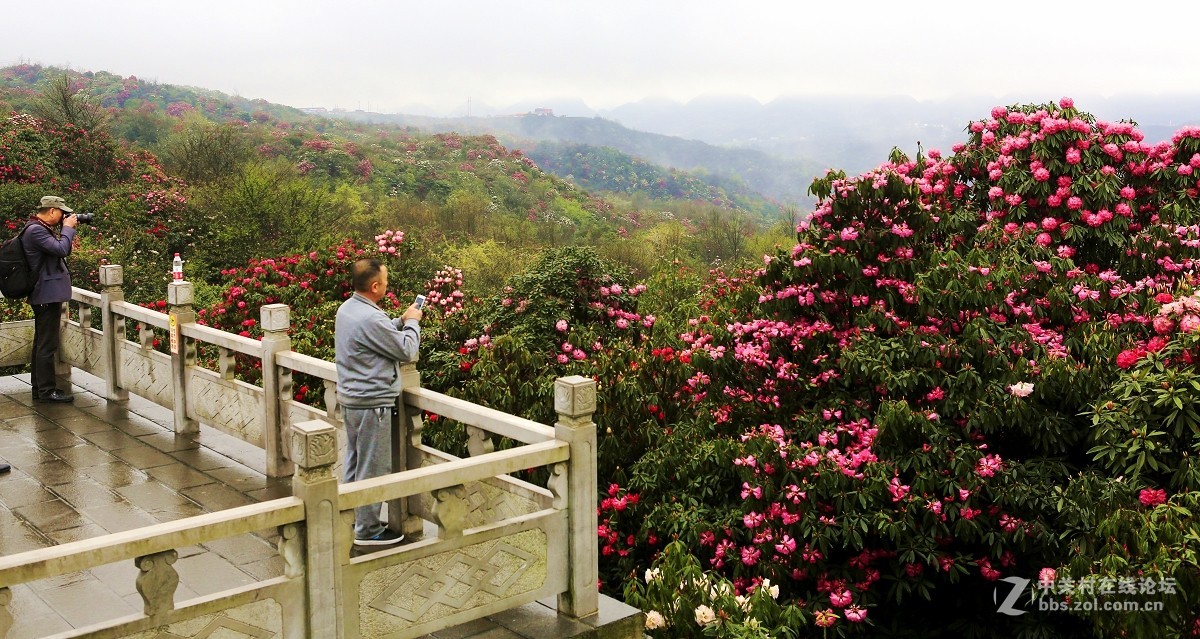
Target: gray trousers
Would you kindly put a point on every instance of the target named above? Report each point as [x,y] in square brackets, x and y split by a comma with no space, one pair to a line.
[368,454]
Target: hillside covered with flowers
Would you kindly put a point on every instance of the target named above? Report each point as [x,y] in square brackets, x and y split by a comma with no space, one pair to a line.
[968,372]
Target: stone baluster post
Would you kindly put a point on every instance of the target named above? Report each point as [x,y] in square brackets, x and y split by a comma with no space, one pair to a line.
[112,276]
[183,355]
[314,450]
[276,388]
[575,402]
[405,416]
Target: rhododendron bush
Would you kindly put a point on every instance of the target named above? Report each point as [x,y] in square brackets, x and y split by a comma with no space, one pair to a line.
[969,367]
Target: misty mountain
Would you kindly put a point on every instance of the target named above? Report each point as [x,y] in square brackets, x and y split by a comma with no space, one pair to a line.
[802,135]
[856,133]
[785,180]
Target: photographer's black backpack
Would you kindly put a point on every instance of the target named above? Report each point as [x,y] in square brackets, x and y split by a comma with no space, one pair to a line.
[16,279]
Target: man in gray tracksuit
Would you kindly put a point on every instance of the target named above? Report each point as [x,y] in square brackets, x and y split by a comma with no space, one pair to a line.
[370,347]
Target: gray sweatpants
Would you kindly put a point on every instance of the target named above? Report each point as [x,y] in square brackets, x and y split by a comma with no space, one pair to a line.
[368,454]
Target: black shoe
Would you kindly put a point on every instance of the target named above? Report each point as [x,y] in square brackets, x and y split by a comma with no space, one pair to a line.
[56,396]
[4,468]
[385,538]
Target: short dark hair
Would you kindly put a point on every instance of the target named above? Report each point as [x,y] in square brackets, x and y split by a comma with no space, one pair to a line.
[365,271]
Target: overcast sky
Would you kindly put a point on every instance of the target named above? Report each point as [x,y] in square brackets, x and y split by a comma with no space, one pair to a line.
[385,56]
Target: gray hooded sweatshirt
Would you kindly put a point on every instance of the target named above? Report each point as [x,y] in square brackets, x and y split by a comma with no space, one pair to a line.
[370,346]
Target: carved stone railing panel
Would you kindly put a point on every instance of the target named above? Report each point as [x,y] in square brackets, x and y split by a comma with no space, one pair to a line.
[487,502]
[16,342]
[82,348]
[146,373]
[487,573]
[230,406]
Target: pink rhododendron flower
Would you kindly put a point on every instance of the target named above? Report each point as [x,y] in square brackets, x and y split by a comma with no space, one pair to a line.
[561,325]
[989,465]
[1046,577]
[840,599]
[1129,357]
[855,614]
[1151,497]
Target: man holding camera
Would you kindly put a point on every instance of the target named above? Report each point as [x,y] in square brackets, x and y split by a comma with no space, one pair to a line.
[47,243]
[369,346]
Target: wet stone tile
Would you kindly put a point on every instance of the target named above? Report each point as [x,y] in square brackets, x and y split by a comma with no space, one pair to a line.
[22,491]
[202,459]
[275,489]
[111,439]
[208,573]
[19,536]
[57,437]
[119,517]
[120,576]
[84,400]
[33,617]
[103,603]
[152,495]
[178,476]
[136,426]
[243,549]
[67,535]
[30,423]
[264,569]
[79,423]
[11,439]
[240,478]
[13,409]
[182,510]
[85,491]
[143,456]
[115,475]
[50,472]
[214,497]
[58,412]
[84,456]
[170,442]
[50,515]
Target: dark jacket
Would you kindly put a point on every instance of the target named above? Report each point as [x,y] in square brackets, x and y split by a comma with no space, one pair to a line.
[46,251]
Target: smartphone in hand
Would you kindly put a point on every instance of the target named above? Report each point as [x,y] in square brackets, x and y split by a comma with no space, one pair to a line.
[419,302]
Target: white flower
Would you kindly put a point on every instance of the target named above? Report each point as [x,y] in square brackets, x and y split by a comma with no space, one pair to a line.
[705,615]
[653,574]
[655,620]
[771,590]
[1021,389]
[743,602]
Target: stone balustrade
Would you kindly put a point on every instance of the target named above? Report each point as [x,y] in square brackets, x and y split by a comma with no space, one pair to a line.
[483,541]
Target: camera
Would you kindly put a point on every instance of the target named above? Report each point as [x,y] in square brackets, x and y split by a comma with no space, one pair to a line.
[84,218]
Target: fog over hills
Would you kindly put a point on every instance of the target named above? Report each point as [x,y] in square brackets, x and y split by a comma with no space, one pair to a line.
[853,133]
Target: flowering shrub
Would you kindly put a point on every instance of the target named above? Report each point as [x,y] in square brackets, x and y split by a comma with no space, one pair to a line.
[885,421]
[681,600]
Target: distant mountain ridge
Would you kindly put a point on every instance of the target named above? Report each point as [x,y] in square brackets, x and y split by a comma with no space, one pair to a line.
[853,133]
[784,180]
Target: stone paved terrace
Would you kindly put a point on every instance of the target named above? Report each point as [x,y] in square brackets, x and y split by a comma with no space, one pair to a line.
[93,467]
